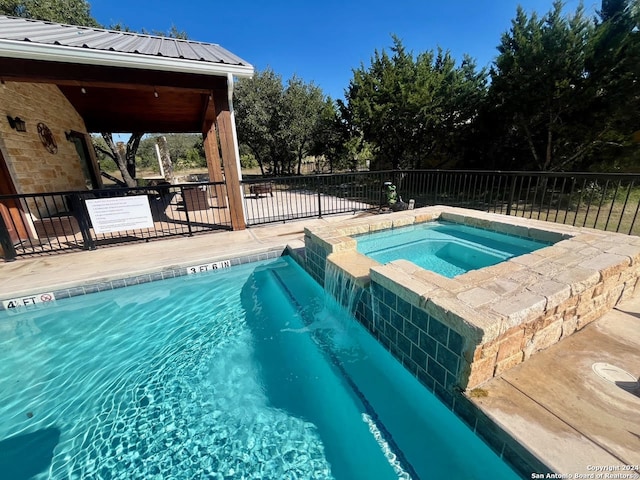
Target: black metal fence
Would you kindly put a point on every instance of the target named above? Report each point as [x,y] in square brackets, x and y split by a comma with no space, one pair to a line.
[52,222]
[287,198]
[47,223]
[603,201]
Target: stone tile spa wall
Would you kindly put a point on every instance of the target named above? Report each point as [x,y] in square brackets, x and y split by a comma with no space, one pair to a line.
[454,334]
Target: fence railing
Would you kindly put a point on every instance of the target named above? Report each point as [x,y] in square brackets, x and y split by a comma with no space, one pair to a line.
[602,201]
[280,199]
[53,222]
[47,223]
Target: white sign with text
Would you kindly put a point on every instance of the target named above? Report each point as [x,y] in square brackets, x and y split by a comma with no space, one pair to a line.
[119,214]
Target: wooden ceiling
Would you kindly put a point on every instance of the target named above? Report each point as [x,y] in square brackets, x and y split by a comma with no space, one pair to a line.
[112,99]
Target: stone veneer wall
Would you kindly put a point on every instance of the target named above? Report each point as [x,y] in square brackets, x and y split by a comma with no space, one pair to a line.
[32,167]
[457,333]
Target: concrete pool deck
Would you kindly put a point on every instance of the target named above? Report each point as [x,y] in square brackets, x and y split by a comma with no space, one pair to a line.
[44,273]
[553,404]
[563,412]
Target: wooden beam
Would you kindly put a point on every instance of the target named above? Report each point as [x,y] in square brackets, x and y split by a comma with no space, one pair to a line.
[229,161]
[208,112]
[120,124]
[212,152]
[123,99]
[75,74]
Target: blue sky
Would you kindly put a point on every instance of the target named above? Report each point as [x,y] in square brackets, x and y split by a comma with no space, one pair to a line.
[323,41]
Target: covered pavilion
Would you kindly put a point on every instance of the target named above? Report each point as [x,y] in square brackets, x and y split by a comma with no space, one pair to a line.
[64,82]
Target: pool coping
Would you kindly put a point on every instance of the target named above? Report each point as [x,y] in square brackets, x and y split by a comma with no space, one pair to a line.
[563,412]
[115,281]
[81,269]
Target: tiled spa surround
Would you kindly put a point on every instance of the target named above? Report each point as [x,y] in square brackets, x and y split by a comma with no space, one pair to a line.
[457,333]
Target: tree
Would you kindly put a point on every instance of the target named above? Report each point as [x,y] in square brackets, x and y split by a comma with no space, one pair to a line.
[258,103]
[303,106]
[563,84]
[184,149]
[331,138]
[73,12]
[173,32]
[613,83]
[277,123]
[537,83]
[565,90]
[123,155]
[415,111]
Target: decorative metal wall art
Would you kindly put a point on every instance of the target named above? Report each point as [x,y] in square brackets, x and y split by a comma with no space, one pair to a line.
[46,137]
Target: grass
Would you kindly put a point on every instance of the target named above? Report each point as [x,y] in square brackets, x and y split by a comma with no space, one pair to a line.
[603,212]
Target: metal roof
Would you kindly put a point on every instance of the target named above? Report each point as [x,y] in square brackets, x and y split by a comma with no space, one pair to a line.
[39,32]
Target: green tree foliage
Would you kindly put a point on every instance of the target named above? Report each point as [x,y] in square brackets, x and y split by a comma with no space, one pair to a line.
[302,108]
[417,111]
[613,85]
[185,150]
[331,139]
[257,106]
[72,12]
[277,123]
[565,89]
[173,32]
[106,162]
[564,94]
[538,86]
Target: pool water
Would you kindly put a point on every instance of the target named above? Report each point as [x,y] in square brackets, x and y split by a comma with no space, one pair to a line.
[247,372]
[449,249]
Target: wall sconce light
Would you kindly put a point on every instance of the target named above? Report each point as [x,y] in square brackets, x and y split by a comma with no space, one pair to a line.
[155,93]
[17,124]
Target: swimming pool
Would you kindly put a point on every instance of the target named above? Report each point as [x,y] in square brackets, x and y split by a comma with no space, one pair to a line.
[247,372]
[449,249]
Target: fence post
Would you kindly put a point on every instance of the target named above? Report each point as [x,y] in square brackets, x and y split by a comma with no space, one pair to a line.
[79,211]
[6,243]
[186,210]
[511,194]
[318,179]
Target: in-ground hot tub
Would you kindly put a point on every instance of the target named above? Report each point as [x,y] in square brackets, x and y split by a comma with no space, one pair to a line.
[455,333]
[447,248]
